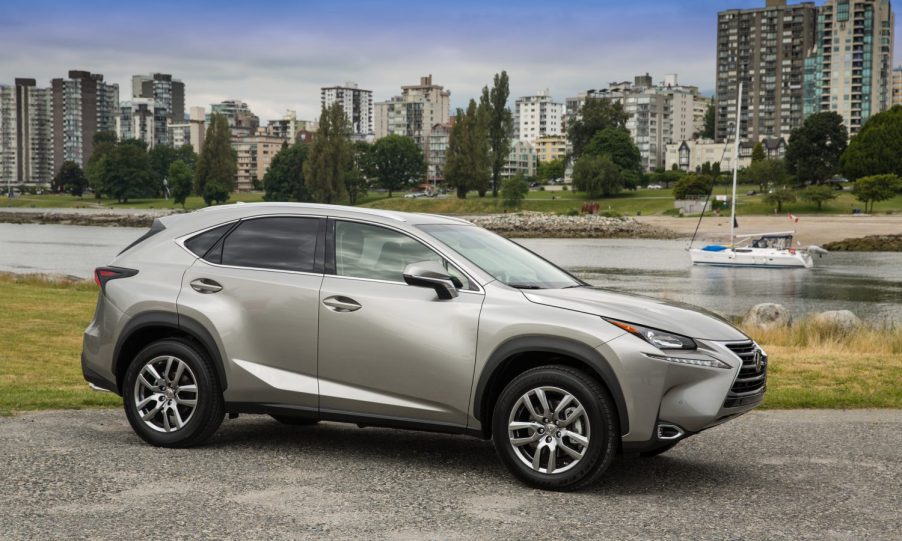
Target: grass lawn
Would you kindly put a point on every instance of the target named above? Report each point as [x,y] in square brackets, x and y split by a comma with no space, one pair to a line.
[41,326]
[628,203]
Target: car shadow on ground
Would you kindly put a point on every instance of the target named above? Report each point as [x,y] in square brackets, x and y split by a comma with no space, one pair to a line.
[674,473]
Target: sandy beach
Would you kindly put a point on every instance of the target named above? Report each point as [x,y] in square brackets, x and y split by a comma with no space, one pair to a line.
[809,229]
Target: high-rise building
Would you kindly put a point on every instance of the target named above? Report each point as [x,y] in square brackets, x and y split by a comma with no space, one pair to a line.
[520,161]
[190,132]
[658,114]
[357,104]
[537,116]
[241,120]
[849,70]
[136,121]
[550,147]
[414,112]
[765,49]
[82,106]
[288,127]
[254,154]
[437,151]
[168,97]
[897,86]
[26,141]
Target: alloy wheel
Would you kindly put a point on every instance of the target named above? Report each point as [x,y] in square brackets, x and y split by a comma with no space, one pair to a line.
[166,393]
[548,429]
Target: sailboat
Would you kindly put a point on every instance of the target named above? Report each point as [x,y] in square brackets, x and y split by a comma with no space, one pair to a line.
[774,250]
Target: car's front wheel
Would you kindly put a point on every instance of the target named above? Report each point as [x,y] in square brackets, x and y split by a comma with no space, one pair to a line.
[555,428]
[171,394]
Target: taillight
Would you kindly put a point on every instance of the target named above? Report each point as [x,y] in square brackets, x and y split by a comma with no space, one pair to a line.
[102,275]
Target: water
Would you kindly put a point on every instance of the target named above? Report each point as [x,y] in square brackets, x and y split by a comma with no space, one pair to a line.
[869,283]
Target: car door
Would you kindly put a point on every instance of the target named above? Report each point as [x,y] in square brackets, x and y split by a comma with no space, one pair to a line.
[388,349]
[256,290]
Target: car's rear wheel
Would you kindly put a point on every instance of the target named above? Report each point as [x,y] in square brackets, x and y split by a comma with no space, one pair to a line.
[555,428]
[171,394]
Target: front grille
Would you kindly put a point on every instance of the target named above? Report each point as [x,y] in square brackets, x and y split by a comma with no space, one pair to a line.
[752,379]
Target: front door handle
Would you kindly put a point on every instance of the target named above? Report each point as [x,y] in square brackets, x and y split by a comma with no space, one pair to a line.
[338,303]
[205,285]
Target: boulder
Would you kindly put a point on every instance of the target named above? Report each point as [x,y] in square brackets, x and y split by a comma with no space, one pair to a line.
[842,320]
[767,315]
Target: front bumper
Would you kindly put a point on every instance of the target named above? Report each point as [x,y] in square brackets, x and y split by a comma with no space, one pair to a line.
[690,397]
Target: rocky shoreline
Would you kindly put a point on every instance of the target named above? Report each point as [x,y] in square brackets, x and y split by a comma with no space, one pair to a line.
[517,225]
[871,243]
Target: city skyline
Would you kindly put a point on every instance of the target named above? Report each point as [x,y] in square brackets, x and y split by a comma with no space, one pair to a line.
[278,55]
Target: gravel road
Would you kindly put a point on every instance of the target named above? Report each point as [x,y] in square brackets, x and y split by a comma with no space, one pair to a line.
[768,475]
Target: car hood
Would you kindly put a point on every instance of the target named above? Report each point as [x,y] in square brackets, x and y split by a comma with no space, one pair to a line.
[669,316]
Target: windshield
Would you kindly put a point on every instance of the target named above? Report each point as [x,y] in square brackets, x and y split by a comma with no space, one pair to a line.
[506,261]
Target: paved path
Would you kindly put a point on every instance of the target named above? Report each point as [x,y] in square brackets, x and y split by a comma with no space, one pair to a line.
[768,475]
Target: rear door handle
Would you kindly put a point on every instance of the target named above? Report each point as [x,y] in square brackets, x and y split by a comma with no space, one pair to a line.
[205,285]
[339,303]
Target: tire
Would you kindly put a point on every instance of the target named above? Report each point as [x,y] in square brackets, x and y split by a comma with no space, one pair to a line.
[659,450]
[294,421]
[583,443]
[183,417]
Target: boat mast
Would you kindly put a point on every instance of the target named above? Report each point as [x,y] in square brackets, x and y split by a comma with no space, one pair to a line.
[735,165]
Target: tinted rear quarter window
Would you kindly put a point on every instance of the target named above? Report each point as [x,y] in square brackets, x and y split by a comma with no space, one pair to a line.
[281,243]
[200,244]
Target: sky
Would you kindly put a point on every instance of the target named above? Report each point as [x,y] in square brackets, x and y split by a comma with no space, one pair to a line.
[275,55]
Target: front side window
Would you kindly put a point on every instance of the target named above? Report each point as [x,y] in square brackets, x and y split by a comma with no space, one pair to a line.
[505,260]
[378,253]
[281,243]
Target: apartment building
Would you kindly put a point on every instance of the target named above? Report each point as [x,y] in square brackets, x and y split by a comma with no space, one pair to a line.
[242,121]
[659,114]
[168,99]
[82,105]
[357,104]
[692,155]
[550,147]
[136,121]
[289,127]
[520,161]
[765,49]
[254,154]
[436,151]
[897,86]
[537,116]
[414,112]
[26,139]
[849,70]
[190,132]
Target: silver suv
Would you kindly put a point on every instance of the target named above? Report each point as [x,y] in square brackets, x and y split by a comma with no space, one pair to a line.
[317,312]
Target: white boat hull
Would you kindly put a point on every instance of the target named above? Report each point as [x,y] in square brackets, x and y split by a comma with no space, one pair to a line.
[752,257]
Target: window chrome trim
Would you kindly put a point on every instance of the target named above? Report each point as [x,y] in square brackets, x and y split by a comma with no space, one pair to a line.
[392,282]
[462,268]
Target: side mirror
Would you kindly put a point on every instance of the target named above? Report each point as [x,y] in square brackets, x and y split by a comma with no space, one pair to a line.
[431,274]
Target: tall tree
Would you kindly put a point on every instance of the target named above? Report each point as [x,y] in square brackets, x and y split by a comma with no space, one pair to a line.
[877,149]
[95,170]
[396,162]
[710,119]
[693,185]
[468,163]
[180,181]
[214,175]
[187,155]
[128,171]
[597,175]
[71,179]
[815,147]
[356,179]
[758,153]
[618,145]
[499,125]
[329,157]
[284,180]
[594,116]
[767,174]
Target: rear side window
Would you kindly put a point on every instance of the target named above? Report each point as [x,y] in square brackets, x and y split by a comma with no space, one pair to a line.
[200,244]
[282,243]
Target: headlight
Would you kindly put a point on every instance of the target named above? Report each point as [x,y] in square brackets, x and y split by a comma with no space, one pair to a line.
[659,339]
